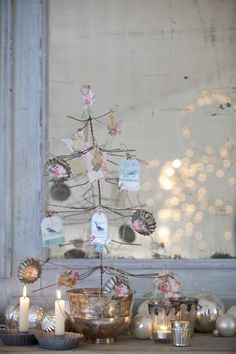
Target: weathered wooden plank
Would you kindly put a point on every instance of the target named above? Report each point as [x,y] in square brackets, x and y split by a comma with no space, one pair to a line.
[6,138]
[200,343]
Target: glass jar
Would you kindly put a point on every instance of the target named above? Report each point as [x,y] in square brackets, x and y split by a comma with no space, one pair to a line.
[162,314]
[186,310]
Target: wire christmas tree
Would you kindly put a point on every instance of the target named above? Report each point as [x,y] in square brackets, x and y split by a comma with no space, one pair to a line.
[83,144]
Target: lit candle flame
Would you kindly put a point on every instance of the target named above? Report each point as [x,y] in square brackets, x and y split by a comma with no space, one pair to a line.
[163,327]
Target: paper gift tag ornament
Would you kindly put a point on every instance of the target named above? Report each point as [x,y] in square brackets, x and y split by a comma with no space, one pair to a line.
[99,230]
[96,162]
[52,231]
[113,126]
[129,175]
[88,100]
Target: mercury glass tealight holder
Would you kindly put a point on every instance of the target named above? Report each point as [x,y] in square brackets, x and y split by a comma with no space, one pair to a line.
[181,333]
[186,310]
[162,313]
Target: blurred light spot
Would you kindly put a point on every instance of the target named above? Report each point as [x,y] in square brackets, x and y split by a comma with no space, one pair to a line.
[200,101]
[209,150]
[215,93]
[232,181]
[202,191]
[193,170]
[189,153]
[164,214]
[200,166]
[229,209]
[190,209]
[220,173]
[176,191]
[182,197]
[186,133]
[176,216]
[174,201]
[176,163]
[201,177]
[210,168]
[218,202]
[169,171]
[165,183]
[224,153]
[185,161]
[163,234]
[227,163]
[188,232]
[205,94]
[189,183]
[228,235]
[205,159]
[198,217]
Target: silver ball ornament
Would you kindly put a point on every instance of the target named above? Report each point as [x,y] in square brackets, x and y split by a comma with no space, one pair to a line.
[11,315]
[141,326]
[232,311]
[226,325]
[210,307]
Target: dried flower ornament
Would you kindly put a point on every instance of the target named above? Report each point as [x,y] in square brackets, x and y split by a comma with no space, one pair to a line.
[68,279]
[57,169]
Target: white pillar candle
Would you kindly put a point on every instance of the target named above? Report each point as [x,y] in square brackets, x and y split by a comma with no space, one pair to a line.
[24,312]
[59,315]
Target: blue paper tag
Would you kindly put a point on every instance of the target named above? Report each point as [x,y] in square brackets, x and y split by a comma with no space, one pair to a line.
[52,231]
[129,175]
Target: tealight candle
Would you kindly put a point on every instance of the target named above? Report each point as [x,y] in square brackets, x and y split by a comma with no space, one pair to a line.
[59,315]
[162,332]
[24,312]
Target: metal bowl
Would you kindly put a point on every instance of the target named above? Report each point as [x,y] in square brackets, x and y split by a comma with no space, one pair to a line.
[100,318]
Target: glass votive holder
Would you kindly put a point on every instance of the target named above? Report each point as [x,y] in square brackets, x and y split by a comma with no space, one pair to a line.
[186,309]
[161,314]
[181,333]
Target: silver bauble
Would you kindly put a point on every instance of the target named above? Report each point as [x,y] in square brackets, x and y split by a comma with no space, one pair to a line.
[232,311]
[226,325]
[36,314]
[11,315]
[143,309]
[210,307]
[49,321]
[141,326]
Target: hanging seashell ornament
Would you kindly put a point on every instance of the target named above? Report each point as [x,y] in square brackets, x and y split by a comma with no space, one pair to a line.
[143,222]
[29,270]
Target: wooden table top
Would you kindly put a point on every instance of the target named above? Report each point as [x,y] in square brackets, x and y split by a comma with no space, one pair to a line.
[200,343]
